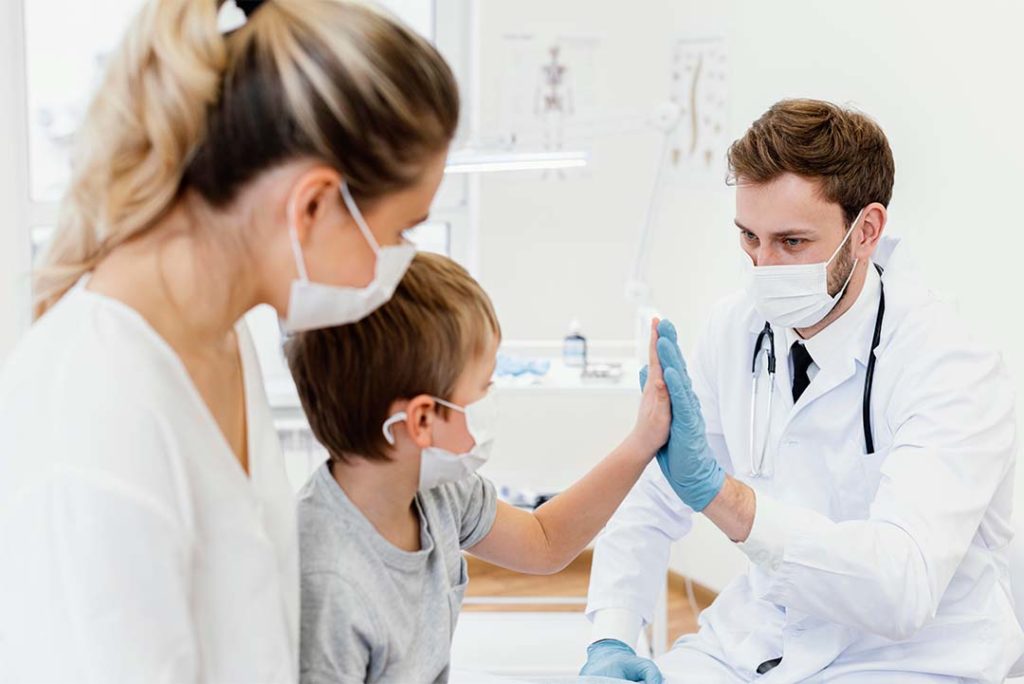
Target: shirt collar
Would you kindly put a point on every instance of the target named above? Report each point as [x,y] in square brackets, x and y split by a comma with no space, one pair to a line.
[843,339]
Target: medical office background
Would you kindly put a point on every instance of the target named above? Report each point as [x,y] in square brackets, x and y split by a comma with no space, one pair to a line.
[587,181]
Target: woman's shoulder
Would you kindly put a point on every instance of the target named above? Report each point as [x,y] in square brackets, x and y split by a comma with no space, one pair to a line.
[88,346]
[86,389]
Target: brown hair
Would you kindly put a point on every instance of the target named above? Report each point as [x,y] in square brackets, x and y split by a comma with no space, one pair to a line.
[843,149]
[184,106]
[419,342]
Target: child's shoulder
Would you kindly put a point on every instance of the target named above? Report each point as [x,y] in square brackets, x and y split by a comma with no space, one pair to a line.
[327,525]
[461,512]
[316,502]
[454,497]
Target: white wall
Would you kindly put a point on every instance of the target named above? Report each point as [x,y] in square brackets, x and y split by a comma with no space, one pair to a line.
[553,249]
[419,14]
[943,79]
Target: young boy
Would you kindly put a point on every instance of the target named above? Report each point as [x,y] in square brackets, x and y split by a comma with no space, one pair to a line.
[401,402]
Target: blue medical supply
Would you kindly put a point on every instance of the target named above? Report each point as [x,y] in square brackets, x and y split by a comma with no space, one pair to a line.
[686,460]
[524,498]
[513,366]
[614,659]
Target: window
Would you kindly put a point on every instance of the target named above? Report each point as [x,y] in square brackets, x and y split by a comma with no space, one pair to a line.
[67,44]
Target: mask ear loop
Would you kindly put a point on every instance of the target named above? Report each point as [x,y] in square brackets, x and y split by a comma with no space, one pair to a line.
[386,428]
[846,237]
[449,404]
[855,261]
[402,415]
[293,236]
[357,215]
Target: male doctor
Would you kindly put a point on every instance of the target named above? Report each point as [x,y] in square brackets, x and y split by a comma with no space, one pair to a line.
[869,479]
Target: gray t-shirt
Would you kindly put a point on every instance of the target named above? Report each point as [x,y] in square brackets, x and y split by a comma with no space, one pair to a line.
[372,612]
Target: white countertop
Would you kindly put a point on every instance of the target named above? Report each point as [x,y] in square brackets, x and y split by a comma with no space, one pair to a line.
[559,379]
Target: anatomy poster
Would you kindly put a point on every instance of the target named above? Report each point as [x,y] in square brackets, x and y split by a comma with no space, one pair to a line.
[699,78]
[551,87]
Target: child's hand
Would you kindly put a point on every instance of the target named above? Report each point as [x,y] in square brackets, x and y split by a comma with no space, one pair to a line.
[655,415]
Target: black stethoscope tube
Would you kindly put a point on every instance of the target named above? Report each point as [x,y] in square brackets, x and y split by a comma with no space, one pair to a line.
[768,334]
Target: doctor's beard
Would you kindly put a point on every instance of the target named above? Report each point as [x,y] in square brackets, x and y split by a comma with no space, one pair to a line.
[840,270]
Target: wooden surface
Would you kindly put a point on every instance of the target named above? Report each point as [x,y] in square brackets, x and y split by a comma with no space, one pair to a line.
[489,580]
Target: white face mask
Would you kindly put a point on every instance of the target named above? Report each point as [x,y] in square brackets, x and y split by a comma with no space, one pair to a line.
[796,296]
[312,305]
[439,466]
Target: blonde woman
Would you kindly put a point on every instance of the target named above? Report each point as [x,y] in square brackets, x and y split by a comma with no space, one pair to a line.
[146,525]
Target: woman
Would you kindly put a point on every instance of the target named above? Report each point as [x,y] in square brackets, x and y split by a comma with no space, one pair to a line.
[146,522]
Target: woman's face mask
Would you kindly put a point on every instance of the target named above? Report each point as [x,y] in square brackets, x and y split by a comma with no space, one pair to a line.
[314,305]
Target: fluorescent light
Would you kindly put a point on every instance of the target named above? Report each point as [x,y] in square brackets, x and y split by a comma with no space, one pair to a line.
[475,162]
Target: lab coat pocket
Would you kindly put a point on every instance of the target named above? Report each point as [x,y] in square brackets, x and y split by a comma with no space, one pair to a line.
[859,482]
[457,592]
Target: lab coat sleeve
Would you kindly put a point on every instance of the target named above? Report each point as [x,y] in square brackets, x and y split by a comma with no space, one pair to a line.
[631,558]
[954,442]
[121,567]
[632,553]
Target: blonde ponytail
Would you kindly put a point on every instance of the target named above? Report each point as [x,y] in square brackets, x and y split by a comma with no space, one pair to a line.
[184,107]
[137,135]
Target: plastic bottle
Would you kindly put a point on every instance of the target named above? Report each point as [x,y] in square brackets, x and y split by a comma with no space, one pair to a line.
[574,347]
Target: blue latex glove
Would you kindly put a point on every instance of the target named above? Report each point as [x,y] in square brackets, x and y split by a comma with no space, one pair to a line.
[686,460]
[614,659]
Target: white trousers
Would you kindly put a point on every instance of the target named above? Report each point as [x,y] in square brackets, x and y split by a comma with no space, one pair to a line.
[696,660]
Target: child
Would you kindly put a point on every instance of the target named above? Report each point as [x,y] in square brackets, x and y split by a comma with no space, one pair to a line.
[401,402]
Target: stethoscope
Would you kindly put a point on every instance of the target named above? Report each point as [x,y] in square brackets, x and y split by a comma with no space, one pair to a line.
[765,345]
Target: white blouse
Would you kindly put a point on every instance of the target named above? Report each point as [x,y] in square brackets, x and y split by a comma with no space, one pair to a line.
[133,547]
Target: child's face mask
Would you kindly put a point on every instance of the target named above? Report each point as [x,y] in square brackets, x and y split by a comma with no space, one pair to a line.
[439,466]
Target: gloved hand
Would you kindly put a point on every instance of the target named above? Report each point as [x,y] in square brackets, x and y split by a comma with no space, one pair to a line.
[614,659]
[686,460]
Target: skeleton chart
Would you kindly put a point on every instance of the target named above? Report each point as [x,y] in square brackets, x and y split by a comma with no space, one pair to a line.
[699,89]
[551,98]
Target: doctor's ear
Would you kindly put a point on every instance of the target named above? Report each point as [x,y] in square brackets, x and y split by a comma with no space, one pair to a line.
[420,419]
[872,224]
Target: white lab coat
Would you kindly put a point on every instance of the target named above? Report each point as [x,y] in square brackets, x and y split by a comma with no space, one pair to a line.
[890,563]
[134,547]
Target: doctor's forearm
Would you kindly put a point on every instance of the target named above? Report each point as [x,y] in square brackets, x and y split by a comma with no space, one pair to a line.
[732,509]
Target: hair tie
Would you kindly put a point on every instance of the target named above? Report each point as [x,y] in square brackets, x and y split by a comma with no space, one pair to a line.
[248,6]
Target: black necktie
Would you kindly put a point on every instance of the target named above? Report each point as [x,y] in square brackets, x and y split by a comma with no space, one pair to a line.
[801,362]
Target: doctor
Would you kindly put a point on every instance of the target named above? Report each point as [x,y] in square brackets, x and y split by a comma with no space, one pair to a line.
[869,476]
